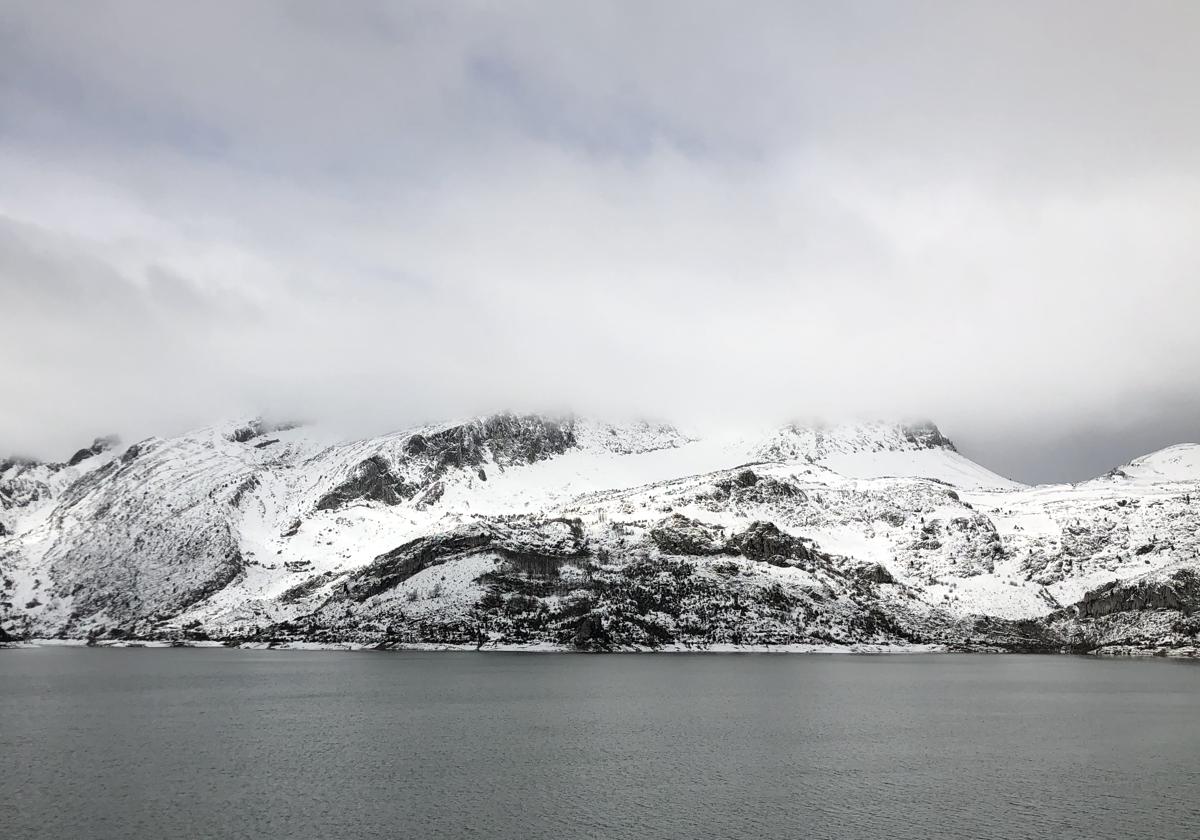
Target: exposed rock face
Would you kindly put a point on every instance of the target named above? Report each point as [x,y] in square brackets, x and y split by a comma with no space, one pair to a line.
[1177,591]
[430,495]
[371,480]
[247,432]
[1156,613]
[813,443]
[764,541]
[745,478]
[24,483]
[874,573]
[928,436]
[982,632]
[505,439]
[100,444]
[590,633]
[401,563]
[527,541]
[257,428]
[679,535]
[746,487]
[80,456]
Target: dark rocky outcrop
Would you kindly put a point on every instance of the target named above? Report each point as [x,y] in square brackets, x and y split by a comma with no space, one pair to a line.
[677,534]
[503,438]
[764,541]
[928,436]
[1153,614]
[395,567]
[745,478]
[748,488]
[430,495]
[770,491]
[873,573]
[79,457]
[257,428]
[591,633]
[371,480]
[248,485]
[985,632]
[1178,591]
[100,444]
[246,433]
[532,543]
[305,588]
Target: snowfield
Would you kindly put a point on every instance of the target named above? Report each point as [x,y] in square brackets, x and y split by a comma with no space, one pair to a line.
[561,533]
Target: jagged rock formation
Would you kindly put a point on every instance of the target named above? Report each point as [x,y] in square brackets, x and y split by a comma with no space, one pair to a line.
[527,529]
[764,541]
[371,480]
[1178,591]
[99,445]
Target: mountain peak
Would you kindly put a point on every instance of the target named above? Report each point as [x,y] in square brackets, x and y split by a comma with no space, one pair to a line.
[926,435]
[818,441]
[1180,462]
[100,444]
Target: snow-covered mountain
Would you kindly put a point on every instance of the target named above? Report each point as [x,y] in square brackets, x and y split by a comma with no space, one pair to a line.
[534,530]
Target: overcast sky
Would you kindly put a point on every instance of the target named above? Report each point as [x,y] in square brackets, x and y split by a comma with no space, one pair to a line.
[381,214]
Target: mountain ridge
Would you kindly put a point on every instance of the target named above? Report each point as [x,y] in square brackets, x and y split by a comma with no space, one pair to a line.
[869,533]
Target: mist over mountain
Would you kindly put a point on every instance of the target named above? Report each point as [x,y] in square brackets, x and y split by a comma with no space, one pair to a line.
[380,218]
[370,352]
[388,216]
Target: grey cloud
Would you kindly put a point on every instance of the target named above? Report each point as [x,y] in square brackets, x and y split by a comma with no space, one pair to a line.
[385,213]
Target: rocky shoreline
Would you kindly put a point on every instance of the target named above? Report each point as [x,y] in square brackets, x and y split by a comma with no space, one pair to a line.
[500,647]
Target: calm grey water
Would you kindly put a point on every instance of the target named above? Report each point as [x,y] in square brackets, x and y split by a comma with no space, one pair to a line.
[238,744]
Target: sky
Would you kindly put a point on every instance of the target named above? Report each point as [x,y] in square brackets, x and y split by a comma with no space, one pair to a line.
[381,214]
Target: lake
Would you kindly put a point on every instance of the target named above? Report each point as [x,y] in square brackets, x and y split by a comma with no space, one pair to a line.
[215,743]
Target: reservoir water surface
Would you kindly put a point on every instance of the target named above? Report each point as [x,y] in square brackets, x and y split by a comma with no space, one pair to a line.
[214,743]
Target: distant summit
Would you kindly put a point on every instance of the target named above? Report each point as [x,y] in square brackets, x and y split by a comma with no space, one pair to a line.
[100,444]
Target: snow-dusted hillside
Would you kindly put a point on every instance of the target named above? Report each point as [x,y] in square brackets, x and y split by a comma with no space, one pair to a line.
[522,530]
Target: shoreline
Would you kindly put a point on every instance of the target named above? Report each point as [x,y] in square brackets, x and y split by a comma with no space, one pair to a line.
[534,647]
[548,648]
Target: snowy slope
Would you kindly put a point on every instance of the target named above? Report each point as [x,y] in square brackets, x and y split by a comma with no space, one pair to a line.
[530,529]
[1180,463]
[938,464]
[879,450]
